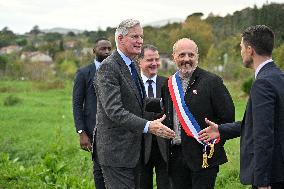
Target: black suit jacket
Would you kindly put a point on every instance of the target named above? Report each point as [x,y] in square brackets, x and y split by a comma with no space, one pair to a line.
[211,100]
[162,143]
[85,100]
[261,130]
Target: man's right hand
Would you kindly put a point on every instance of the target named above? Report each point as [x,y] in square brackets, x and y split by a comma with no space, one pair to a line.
[85,142]
[209,133]
[157,128]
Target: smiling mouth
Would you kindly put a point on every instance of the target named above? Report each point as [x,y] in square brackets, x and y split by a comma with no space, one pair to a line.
[185,63]
[153,67]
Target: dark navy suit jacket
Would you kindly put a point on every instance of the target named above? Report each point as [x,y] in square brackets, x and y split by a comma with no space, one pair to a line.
[261,130]
[85,100]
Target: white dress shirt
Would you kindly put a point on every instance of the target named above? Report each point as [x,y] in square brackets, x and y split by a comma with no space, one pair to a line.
[146,84]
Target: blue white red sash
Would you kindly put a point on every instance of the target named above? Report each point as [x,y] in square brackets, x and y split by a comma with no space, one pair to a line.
[188,122]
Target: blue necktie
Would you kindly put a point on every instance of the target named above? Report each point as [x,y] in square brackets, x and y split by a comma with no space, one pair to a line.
[150,88]
[134,75]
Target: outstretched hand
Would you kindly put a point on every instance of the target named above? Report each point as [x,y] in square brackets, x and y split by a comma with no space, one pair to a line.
[209,133]
[157,128]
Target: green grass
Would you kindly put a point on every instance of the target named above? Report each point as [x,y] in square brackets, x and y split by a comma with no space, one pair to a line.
[40,149]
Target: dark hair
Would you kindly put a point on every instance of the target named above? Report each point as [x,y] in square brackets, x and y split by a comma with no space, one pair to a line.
[147,46]
[100,39]
[260,37]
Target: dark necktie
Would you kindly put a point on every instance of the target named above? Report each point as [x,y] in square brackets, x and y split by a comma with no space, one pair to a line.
[150,88]
[134,75]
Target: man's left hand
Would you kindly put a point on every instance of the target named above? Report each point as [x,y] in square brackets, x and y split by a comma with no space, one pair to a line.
[85,142]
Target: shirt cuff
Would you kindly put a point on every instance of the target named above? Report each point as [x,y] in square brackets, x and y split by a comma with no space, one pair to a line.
[146,127]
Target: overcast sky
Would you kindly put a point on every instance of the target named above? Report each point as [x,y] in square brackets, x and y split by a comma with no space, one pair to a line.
[21,15]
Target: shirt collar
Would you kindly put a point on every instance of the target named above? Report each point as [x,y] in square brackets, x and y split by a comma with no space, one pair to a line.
[97,64]
[124,57]
[144,78]
[261,65]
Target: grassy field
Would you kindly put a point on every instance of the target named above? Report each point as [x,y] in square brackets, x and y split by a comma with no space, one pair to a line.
[39,147]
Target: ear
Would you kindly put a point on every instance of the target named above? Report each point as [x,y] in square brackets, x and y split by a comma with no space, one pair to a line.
[174,56]
[120,37]
[250,50]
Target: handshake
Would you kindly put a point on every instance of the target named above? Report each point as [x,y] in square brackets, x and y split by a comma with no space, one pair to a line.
[157,128]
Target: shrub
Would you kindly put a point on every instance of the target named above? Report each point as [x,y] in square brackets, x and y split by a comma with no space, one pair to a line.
[246,86]
[68,68]
[12,100]
[37,71]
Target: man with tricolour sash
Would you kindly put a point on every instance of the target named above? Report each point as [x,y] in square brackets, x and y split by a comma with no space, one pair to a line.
[189,96]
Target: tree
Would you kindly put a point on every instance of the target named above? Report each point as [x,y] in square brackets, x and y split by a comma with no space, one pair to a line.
[71,34]
[199,31]
[52,37]
[279,56]
[7,37]
[35,30]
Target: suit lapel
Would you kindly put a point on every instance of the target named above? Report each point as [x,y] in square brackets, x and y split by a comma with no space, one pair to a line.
[92,72]
[158,87]
[127,75]
[193,79]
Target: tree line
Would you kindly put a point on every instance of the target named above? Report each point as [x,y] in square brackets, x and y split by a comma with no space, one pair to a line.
[218,39]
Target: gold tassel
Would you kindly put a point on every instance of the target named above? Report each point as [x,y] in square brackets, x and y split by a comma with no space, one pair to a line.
[205,163]
[211,150]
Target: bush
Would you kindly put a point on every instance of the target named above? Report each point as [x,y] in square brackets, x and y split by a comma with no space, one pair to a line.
[12,100]
[246,86]
[3,62]
[38,71]
[68,68]
[279,56]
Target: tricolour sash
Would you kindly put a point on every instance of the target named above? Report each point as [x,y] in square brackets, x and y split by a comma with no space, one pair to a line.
[188,122]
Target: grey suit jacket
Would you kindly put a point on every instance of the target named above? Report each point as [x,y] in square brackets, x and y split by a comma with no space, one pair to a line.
[119,114]
[85,100]
[162,143]
[262,130]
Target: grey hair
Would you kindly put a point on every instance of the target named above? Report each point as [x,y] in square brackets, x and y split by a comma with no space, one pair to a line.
[175,45]
[124,26]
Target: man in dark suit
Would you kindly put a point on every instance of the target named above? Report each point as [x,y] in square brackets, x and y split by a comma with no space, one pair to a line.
[262,127]
[203,94]
[120,110]
[85,104]
[155,148]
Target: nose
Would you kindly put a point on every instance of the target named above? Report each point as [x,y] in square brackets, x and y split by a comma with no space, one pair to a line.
[140,40]
[155,62]
[186,57]
[107,51]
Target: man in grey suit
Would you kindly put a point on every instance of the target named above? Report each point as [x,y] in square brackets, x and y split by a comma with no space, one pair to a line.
[120,110]
[85,104]
[262,127]
[155,148]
